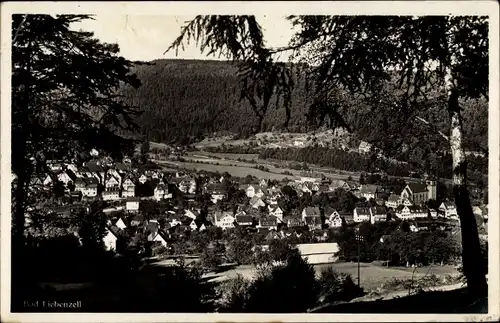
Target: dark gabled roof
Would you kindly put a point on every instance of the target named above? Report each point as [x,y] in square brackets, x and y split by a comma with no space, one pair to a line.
[393,198]
[362,210]
[328,211]
[312,211]
[313,220]
[268,221]
[417,187]
[244,219]
[94,168]
[379,210]
[369,189]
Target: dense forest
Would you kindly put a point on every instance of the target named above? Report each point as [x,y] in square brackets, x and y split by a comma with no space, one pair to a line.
[189,99]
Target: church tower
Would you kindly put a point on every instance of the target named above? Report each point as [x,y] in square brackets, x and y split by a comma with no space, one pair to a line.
[431,189]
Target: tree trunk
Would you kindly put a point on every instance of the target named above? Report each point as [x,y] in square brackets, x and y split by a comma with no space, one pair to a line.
[471,250]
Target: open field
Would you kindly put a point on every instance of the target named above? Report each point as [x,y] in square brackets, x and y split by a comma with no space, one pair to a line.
[238,171]
[372,275]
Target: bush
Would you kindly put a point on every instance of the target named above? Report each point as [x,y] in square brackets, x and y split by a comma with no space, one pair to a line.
[336,286]
[210,260]
[289,288]
[233,295]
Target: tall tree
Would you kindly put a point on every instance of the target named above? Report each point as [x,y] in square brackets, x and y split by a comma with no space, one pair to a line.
[64,102]
[446,56]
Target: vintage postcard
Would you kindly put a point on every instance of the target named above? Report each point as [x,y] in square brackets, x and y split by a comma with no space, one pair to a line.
[250,161]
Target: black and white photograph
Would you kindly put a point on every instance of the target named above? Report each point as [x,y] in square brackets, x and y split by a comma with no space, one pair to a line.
[219,160]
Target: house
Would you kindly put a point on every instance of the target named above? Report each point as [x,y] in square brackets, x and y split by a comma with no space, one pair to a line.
[111,195]
[334,220]
[193,225]
[347,217]
[142,179]
[432,213]
[369,191]
[137,220]
[364,147]
[263,182]
[160,192]
[191,213]
[128,184]
[293,221]
[110,238]
[132,204]
[448,210]
[311,211]
[411,212]
[276,211]
[112,183]
[313,222]
[225,220]
[319,253]
[378,214]
[350,186]
[336,183]
[120,223]
[393,201]
[66,177]
[187,185]
[91,187]
[268,222]
[361,214]
[244,220]
[256,202]
[419,193]
[158,236]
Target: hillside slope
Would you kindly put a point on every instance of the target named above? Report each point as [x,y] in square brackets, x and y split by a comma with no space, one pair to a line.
[184,99]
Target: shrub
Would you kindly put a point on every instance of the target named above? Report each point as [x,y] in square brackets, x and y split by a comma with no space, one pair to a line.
[210,260]
[336,286]
[233,295]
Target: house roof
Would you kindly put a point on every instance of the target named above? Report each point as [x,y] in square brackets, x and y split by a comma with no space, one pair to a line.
[417,209]
[268,221]
[417,187]
[328,211]
[313,220]
[312,211]
[379,210]
[449,205]
[362,210]
[393,198]
[369,189]
[244,219]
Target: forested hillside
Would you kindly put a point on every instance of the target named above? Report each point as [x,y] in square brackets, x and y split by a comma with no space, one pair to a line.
[184,99]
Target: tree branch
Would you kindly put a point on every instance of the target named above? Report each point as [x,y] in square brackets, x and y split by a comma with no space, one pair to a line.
[433,128]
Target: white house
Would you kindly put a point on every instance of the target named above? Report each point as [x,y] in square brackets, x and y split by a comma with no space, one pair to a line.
[90,190]
[128,185]
[449,210]
[112,183]
[256,202]
[143,179]
[158,237]
[225,220]
[378,214]
[334,220]
[393,201]
[160,192]
[361,214]
[411,212]
[121,224]
[110,239]
[132,205]
[276,211]
[193,225]
[111,195]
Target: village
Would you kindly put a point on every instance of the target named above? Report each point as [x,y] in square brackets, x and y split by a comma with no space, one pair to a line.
[163,204]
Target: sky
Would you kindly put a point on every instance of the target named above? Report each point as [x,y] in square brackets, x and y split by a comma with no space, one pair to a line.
[146,37]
